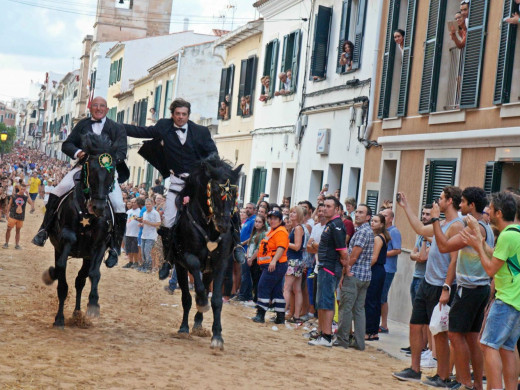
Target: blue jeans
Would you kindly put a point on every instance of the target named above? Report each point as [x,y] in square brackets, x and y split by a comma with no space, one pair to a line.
[502,327]
[246,284]
[173,280]
[146,249]
[386,287]
[414,287]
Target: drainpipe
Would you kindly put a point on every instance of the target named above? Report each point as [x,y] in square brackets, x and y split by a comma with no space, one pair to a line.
[177,76]
[375,63]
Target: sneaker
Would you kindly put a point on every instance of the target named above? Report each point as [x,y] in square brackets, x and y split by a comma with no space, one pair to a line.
[5,246]
[307,317]
[408,375]
[321,341]
[17,247]
[168,289]
[428,361]
[248,303]
[406,350]
[128,265]
[436,381]
[408,354]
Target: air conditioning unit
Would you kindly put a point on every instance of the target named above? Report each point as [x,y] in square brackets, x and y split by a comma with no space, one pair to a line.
[323,141]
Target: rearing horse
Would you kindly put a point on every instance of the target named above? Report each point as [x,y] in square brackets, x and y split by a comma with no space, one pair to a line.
[203,238]
[83,225]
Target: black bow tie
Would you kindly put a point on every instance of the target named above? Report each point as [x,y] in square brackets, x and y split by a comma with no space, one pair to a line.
[179,129]
[96,121]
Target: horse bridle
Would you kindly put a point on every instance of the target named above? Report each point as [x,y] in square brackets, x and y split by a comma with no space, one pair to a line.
[225,194]
[105,161]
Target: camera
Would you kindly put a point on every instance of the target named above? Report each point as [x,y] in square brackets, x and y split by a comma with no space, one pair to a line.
[398,197]
[266,195]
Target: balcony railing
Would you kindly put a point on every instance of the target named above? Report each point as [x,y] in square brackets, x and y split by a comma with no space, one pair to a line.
[454,78]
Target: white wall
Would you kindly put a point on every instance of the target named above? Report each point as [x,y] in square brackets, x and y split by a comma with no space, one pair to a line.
[99,62]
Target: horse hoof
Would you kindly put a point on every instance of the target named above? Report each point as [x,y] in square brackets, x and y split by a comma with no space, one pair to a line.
[203,309]
[59,324]
[93,310]
[217,344]
[47,276]
[184,329]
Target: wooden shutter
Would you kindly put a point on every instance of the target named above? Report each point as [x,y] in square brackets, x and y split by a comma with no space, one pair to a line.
[252,64]
[432,56]
[388,59]
[426,182]
[402,100]
[119,66]
[273,67]
[295,61]
[255,185]
[372,199]
[157,102]
[167,97]
[143,110]
[321,42]
[343,32]
[262,180]
[474,54]
[360,30]
[222,90]
[506,50]
[493,177]
[242,85]
[442,174]
[286,39]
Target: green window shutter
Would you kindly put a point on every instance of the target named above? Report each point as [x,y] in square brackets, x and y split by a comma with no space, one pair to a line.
[442,174]
[119,66]
[273,67]
[321,42]
[388,59]
[426,182]
[262,180]
[222,90]
[255,185]
[252,64]
[157,97]
[402,101]
[295,61]
[360,30]
[143,111]
[432,56]
[284,53]
[343,32]
[372,199]
[474,54]
[110,76]
[493,177]
[167,98]
[242,85]
[506,52]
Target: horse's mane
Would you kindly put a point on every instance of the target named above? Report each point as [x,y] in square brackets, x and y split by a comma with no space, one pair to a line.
[96,144]
[213,166]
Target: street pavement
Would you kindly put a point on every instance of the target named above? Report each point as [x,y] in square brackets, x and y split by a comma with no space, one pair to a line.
[391,343]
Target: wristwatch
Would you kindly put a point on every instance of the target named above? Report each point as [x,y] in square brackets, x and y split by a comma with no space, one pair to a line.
[435,219]
[446,287]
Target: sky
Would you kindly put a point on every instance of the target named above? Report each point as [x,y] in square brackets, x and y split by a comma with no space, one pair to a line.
[45,35]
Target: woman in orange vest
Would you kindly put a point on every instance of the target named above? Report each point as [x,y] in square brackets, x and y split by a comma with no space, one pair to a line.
[272,259]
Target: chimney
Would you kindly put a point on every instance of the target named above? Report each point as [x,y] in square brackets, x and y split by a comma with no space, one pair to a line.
[186,24]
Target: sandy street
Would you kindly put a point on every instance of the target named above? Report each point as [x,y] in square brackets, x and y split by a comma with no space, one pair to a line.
[133,344]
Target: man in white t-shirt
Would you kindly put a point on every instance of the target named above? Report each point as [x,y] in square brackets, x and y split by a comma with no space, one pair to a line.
[312,247]
[151,221]
[132,231]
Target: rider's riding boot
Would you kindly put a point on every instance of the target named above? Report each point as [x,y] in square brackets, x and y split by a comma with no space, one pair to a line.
[52,205]
[239,254]
[116,239]
[260,315]
[280,317]
[165,234]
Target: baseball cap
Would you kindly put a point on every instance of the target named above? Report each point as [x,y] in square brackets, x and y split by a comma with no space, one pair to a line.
[275,213]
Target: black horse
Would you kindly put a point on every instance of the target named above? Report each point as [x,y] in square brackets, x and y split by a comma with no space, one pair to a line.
[203,240]
[83,225]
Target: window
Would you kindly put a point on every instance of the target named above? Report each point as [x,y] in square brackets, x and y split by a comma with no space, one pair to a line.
[438,174]
[226,89]
[139,112]
[269,73]
[247,86]
[372,199]
[505,92]
[501,175]
[451,75]
[397,61]
[115,71]
[121,117]
[320,50]
[352,27]
[157,100]
[258,184]
[112,113]
[290,63]
[168,93]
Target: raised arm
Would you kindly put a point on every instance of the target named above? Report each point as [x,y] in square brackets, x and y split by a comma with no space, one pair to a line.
[142,131]
[415,222]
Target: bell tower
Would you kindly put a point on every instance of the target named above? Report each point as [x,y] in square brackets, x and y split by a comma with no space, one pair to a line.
[122,20]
